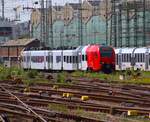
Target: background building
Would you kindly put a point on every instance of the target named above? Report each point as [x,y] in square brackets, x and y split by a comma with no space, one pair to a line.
[11,50]
[10,30]
[114,22]
[130,23]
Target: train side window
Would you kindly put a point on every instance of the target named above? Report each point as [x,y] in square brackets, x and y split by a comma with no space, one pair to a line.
[28,58]
[117,59]
[67,59]
[76,59]
[129,57]
[143,58]
[138,58]
[64,58]
[124,58]
[51,59]
[58,59]
[73,59]
[24,58]
[149,59]
[70,59]
[82,57]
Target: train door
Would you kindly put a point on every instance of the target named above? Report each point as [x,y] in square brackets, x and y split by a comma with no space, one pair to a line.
[120,60]
[50,60]
[79,62]
[146,61]
[28,60]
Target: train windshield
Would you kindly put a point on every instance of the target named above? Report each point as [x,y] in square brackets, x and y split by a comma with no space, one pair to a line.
[106,51]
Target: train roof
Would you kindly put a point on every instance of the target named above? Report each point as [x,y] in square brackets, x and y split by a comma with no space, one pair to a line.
[35,51]
[141,50]
[124,50]
[84,49]
[127,50]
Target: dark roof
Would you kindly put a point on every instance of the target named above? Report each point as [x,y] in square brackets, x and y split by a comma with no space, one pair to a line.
[75,6]
[18,42]
[94,2]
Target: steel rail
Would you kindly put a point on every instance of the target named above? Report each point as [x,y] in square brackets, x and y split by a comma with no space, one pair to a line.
[25,105]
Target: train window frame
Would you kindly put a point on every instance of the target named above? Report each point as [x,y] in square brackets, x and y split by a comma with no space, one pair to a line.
[82,57]
[149,59]
[76,58]
[129,57]
[51,58]
[86,57]
[116,59]
[67,59]
[71,61]
[58,59]
[37,59]
[64,58]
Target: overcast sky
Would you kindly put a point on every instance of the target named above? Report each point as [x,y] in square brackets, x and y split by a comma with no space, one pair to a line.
[25,15]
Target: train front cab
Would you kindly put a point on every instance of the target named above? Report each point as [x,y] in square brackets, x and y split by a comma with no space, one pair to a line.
[100,58]
[107,58]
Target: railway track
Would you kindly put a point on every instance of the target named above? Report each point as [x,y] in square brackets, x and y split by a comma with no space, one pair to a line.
[11,106]
[97,94]
[94,94]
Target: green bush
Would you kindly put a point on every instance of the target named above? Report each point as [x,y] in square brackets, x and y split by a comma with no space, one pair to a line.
[32,74]
[61,77]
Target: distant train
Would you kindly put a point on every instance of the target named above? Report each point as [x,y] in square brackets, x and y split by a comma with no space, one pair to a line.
[138,58]
[90,57]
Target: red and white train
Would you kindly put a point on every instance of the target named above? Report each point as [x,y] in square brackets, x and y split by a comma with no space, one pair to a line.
[90,57]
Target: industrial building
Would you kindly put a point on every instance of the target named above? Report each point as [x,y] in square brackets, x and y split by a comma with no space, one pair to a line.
[11,50]
[120,23]
[10,30]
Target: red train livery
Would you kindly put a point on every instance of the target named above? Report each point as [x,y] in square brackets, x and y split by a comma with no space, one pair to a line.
[100,58]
